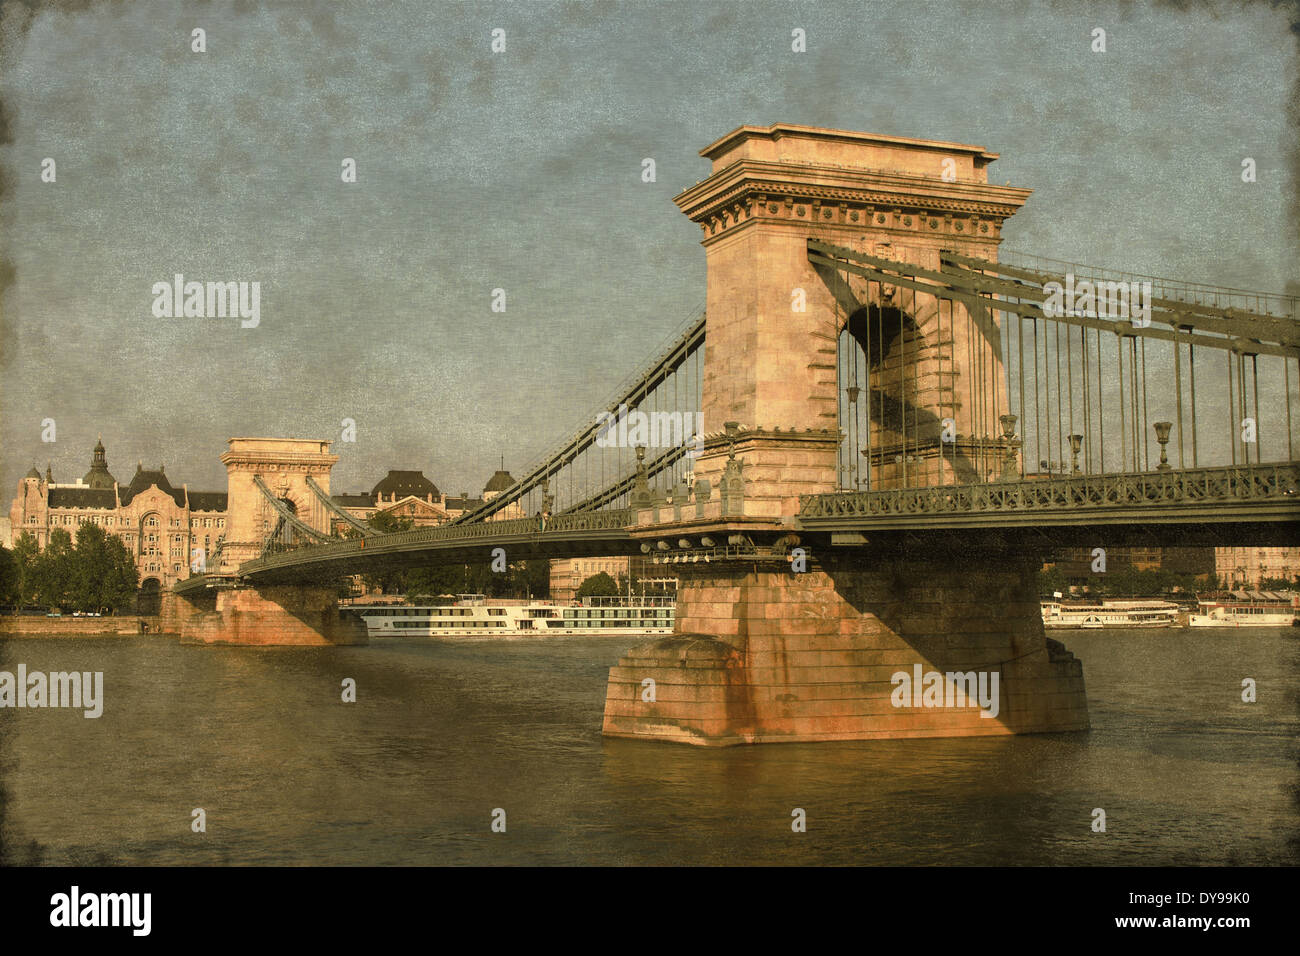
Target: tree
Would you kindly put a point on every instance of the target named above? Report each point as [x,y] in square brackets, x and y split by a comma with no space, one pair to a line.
[54,571]
[8,577]
[1051,580]
[533,577]
[119,586]
[25,553]
[1278,584]
[91,568]
[598,585]
[391,581]
[386,523]
[437,580]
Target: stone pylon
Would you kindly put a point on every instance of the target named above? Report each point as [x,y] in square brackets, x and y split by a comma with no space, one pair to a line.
[283,465]
[776,639]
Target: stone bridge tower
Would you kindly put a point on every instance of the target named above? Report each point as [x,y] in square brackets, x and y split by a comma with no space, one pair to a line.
[774,319]
[240,613]
[284,465]
[770,646]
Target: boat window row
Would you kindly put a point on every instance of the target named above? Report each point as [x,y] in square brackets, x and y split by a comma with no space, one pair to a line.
[625,612]
[459,625]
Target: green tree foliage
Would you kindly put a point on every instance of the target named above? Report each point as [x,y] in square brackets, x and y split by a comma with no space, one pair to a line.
[24,553]
[54,572]
[1279,584]
[1128,581]
[437,581]
[385,523]
[387,581]
[104,574]
[1052,580]
[598,585]
[1125,581]
[8,577]
[520,580]
[96,574]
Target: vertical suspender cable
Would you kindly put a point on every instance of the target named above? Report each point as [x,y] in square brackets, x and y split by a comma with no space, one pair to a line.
[1191,390]
[1038,452]
[1232,435]
[1146,442]
[1060,447]
[1286,385]
[1254,374]
[1178,393]
[1101,412]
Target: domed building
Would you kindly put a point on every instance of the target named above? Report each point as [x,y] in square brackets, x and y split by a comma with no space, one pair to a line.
[164,527]
[409,494]
[397,485]
[499,482]
[99,476]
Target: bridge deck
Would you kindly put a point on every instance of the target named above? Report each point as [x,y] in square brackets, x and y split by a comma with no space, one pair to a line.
[1171,507]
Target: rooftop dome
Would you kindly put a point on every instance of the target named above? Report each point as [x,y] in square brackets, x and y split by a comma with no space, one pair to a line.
[99,476]
[499,482]
[404,484]
[33,473]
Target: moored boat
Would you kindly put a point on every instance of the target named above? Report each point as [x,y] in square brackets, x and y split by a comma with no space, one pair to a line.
[1108,613]
[477,616]
[1245,609]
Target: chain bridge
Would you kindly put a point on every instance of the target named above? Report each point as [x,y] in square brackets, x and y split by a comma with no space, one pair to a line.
[855,456]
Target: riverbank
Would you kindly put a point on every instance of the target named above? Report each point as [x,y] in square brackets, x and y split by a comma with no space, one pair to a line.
[30,625]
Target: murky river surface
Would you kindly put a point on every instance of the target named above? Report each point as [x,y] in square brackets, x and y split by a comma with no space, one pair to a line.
[443,733]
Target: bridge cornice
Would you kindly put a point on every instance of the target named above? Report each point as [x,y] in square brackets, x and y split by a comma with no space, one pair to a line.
[239,462]
[752,190]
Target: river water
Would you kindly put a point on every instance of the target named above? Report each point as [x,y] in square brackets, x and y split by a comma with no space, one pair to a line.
[444,733]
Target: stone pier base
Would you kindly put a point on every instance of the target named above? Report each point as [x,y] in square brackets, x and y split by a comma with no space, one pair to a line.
[275,615]
[766,655]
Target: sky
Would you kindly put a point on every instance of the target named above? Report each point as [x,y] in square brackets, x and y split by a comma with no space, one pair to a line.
[521,170]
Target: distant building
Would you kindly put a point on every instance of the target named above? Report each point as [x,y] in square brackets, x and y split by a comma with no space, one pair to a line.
[1076,563]
[409,494]
[567,574]
[161,525]
[1250,567]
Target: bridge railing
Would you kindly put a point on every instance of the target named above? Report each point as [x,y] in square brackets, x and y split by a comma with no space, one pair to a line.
[1077,492]
[536,526]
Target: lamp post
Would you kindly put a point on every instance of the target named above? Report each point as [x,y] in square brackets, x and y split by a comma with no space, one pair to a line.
[1008,423]
[1076,442]
[1162,436]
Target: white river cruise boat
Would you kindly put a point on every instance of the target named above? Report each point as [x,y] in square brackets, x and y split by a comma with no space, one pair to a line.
[473,615]
[1059,614]
[1245,609]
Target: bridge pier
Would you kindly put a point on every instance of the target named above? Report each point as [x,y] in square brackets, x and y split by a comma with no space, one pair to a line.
[762,654]
[178,609]
[272,615]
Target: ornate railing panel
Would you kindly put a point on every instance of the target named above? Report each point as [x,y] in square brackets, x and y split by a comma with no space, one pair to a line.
[1157,495]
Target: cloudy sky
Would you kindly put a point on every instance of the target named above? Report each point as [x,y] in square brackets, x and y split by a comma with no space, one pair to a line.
[521,170]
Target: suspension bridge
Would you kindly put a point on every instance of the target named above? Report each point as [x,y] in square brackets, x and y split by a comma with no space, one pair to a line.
[900,419]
